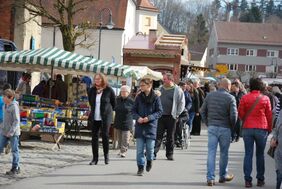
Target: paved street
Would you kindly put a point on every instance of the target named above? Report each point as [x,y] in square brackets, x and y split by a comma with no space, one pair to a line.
[187,171]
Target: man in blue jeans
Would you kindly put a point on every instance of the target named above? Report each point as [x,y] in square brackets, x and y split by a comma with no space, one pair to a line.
[220,114]
[10,130]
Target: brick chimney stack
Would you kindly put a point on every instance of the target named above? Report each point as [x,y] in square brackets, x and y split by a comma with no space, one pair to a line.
[152,38]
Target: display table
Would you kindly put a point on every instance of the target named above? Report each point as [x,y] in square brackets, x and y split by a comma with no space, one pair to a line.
[73,126]
[55,136]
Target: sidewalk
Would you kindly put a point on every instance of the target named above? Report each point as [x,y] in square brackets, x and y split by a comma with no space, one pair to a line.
[187,171]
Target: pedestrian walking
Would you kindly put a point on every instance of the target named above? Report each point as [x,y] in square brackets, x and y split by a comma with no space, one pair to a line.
[235,91]
[219,112]
[11,129]
[173,103]
[123,119]
[255,112]
[147,110]
[102,101]
[276,141]
[199,96]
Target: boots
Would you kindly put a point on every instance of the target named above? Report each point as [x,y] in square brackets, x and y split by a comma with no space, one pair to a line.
[106,159]
[149,166]
[140,171]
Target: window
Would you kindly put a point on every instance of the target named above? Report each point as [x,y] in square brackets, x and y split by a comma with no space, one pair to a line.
[232,51]
[251,52]
[272,53]
[232,67]
[147,21]
[250,68]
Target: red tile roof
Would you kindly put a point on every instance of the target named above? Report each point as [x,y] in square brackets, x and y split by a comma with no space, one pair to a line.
[118,8]
[146,5]
[249,33]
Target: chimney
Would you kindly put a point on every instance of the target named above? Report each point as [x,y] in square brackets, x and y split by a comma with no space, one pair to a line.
[152,38]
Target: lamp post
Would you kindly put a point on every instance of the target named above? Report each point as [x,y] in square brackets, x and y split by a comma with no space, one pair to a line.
[109,25]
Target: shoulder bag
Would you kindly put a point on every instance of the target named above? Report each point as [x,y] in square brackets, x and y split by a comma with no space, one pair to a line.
[251,109]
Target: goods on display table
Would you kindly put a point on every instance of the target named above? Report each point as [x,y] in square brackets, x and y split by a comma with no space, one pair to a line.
[45,116]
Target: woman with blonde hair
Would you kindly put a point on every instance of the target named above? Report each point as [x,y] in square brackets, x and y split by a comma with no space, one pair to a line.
[147,110]
[102,101]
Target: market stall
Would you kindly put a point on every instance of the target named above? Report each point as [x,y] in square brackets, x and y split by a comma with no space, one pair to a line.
[44,116]
[39,115]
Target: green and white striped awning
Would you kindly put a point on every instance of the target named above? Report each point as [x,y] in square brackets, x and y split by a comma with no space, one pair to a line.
[63,62]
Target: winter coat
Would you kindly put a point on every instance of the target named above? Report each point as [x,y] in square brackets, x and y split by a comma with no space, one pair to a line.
[108,103]
[147,106]
[261,115]
[123,113]
[277,135]
[11,119]
[219,109]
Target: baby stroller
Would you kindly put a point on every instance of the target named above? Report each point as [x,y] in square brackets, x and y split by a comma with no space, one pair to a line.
[181,137]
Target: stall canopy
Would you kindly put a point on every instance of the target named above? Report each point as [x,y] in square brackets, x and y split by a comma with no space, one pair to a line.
[145,72]
[63,62]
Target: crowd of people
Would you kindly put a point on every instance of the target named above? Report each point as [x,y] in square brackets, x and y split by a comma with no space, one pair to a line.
[227,109]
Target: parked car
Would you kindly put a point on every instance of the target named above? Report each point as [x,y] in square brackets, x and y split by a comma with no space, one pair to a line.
[8,76]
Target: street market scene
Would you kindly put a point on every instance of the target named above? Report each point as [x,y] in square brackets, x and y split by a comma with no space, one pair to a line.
[140,94]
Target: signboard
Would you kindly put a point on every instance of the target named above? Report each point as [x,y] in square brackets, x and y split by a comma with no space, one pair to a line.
[222,69]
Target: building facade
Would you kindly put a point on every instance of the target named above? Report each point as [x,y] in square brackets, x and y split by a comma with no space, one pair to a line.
[129,17]
[244,50]
[165,53]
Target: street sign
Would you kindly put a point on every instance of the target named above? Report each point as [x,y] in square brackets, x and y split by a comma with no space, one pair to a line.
[222,69]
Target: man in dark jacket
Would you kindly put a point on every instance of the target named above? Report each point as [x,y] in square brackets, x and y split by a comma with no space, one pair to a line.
[60,89]
[219,112]
[237,93]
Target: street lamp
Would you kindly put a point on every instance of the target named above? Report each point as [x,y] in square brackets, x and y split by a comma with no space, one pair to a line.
[110,25]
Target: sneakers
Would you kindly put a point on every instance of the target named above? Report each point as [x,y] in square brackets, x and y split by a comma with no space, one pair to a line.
[149,166]
[140,171]
[210,183]
[260,183]
[13,171]
[227,178]
[8,148]
[122,155]
[248,184]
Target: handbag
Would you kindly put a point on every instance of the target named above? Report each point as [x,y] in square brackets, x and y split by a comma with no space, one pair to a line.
[271,151]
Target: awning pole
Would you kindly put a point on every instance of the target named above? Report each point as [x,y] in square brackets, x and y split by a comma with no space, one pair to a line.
[51,82]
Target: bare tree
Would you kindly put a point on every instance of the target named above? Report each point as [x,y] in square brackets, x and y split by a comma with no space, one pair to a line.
[62,15]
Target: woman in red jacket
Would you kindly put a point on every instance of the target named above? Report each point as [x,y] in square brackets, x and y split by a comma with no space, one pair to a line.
[255,112]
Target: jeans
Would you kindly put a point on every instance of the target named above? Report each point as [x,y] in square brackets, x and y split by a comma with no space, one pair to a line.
[279,179]
[141,143]
[190,120]
[96,127]
[221,136]
[251,136]
[14,141]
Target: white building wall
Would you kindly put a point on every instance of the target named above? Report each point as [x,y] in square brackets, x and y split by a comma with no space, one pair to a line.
[111,43]
[22,37]
[141,21]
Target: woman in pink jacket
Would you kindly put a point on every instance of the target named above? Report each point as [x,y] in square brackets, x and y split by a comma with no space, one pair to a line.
[255,112]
